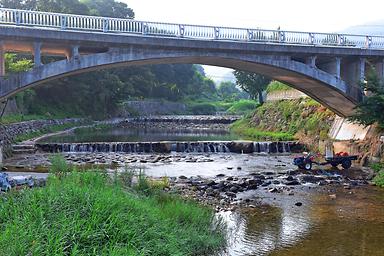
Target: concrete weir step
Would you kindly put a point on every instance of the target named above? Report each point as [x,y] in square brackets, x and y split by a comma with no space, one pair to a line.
[23,148]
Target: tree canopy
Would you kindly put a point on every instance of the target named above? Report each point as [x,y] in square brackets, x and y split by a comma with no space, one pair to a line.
[371,109]
[254,84]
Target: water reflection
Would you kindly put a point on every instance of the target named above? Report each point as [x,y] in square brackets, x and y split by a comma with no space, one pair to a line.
[114,134]
[352,224]
[264,229]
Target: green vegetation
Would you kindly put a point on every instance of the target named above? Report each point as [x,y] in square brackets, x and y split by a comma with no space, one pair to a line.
[45,130]
[379,169]
[379,179]
[242,107]
[202,108]
[254,84]
[286,119]
[244,128]
[371,109]
[91,213]
[277,86]
[99,94]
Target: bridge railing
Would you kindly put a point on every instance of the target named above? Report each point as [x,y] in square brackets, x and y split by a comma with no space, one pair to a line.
[130,26]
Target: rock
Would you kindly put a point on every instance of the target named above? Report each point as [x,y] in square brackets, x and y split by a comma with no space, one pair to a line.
[252,187]
[299,204]
[234,189]
[230,194]
[273,190]
[182,177]
[230,178]
[311,178]
[238,168]
[347,186]
[322,183]
[289,178]
[292,183]
[220,175]
[332,196]
[265,184]
[210,183]
[276,182]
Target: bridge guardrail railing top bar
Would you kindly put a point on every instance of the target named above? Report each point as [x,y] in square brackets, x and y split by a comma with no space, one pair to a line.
[129,26]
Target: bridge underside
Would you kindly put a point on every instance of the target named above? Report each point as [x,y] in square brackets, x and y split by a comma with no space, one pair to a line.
[327,89]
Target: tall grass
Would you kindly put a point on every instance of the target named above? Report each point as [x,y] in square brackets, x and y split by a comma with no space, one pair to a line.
[90,214]
[244,128]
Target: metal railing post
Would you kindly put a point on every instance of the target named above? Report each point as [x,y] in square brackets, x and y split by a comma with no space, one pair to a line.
[17,17]
[105,25]
[181,30]
[311,38]
[368,41]
[144,28]
[63,21]
[217,32]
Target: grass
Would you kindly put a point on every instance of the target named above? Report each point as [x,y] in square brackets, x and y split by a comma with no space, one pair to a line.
[45,130]
[242,107]
[15,118]
[277,86]
[90,213]
[379,169]
[244,128]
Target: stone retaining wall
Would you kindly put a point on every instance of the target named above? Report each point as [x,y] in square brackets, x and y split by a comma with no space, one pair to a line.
[285,95]
[146,107]
[9,132]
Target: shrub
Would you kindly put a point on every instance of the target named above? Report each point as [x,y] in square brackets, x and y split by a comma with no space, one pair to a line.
[379,179]
[243,106]
[202,109]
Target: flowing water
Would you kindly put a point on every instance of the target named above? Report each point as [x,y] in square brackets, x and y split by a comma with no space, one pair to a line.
[350,222]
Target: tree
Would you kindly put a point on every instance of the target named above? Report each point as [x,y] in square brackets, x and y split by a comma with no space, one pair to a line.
[371,109]
[109,8]
[228,91]
[254,84]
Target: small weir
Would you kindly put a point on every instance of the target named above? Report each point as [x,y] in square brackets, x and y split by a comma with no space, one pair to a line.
[168,147]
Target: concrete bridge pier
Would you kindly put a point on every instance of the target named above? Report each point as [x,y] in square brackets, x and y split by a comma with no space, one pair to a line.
[353,71]
[379,67]
[37,54]
[2,59]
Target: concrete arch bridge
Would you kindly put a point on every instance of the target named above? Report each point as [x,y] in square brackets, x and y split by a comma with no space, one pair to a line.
[327,67]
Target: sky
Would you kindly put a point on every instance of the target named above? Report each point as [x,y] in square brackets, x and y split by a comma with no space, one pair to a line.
[295,15]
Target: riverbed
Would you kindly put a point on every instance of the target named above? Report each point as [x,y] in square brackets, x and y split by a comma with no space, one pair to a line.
[269,208]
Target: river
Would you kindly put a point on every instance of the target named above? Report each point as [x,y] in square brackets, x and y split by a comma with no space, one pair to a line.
[309,219]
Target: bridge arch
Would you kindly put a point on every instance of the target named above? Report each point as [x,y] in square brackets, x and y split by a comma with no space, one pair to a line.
[326,88]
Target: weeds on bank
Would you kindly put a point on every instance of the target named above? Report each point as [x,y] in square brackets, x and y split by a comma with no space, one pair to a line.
[379,169]
[92,213]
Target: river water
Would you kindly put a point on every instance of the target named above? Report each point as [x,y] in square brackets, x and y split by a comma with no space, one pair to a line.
[330,220]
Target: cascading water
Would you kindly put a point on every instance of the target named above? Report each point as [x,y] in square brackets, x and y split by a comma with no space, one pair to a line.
[168,147]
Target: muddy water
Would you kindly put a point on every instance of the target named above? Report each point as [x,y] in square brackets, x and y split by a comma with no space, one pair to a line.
[350,224]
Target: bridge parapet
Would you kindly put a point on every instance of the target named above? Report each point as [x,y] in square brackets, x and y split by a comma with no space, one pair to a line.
[83,23]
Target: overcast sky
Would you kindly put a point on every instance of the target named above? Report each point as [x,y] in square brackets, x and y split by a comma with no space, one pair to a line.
[301,15]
